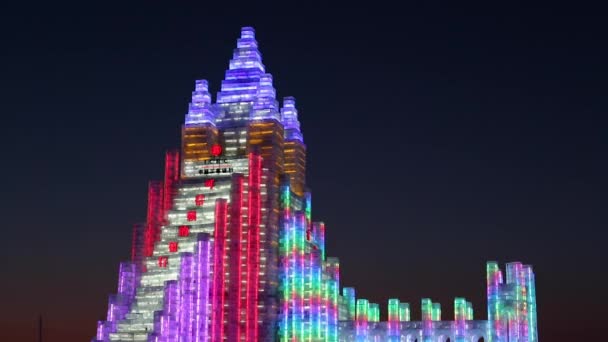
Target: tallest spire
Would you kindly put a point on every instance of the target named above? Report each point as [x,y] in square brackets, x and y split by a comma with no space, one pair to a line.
[243,75]
[246,55]
[247,90]
[247,36]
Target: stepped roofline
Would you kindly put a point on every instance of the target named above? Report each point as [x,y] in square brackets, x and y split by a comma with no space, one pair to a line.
[247,92]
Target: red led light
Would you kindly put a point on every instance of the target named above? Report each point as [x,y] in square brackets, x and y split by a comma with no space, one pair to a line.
[191,216]
[219,275]
[163,261]
[183,231]
[216,150]
[253,258]
[172,246]
[210,183]
[200,199]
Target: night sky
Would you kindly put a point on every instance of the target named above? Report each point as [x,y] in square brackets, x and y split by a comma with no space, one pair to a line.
[439,137]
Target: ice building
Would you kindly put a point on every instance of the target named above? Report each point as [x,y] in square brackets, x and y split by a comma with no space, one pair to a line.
[229,250]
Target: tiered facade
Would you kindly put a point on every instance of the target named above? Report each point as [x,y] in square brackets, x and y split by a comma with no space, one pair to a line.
[229,251]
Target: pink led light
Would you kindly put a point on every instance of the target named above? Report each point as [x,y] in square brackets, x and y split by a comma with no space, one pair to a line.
[163,261]
[253,259]
[210,183]
[183,231]
[216,150]
[219,281]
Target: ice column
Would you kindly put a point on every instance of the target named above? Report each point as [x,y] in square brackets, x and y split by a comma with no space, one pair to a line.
[495,307]
[436,312]
[202,284]
[362,319]
[460,316]
[427,320]
[349,296]
[394,331]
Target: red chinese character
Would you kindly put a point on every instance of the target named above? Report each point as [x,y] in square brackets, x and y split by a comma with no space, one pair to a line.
[210,183]
[199,199]
[162,261]
[172,246]
[191,216]
[184,231]
[216,150]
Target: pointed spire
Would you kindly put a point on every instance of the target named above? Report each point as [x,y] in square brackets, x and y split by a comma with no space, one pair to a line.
[247,92]
[289,115]
[245,68]
[246,55]
[200,108]
[247,32]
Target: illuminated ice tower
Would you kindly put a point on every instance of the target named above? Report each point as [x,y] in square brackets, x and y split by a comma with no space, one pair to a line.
[229,251]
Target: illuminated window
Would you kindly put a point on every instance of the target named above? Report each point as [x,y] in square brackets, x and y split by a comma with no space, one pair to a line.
[172,246]
[191,216]
[199,199]
[184,231]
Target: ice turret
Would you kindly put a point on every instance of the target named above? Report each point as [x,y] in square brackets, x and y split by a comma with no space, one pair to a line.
[289,118]
[200,110]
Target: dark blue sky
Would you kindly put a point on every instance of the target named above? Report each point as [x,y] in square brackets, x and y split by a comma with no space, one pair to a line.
[439,136]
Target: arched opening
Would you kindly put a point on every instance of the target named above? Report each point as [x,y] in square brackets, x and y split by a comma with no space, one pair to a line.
[481,339]
[448,340]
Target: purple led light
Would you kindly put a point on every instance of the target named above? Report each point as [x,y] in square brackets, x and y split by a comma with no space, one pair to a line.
[289,118]
[200,110]
[202,286]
